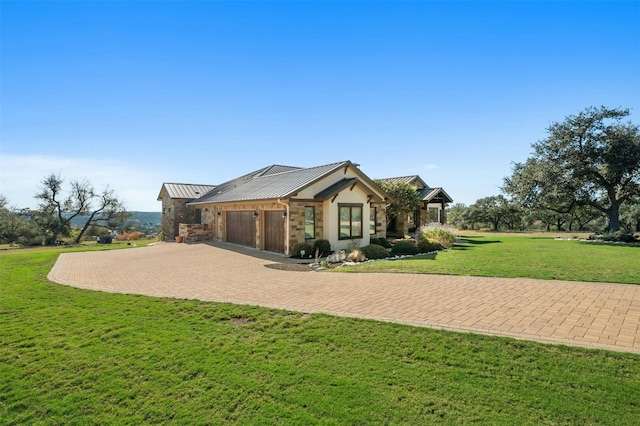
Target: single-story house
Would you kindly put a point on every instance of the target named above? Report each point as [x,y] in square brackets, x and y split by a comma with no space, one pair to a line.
[432,209]
[277,207]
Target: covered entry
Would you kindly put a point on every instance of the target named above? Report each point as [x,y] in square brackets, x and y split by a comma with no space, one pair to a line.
[241,228]
[274,231]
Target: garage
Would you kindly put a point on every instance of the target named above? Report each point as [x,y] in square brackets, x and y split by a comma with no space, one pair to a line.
[241,228]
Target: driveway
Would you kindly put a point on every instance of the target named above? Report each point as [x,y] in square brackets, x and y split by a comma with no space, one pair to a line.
[592,315]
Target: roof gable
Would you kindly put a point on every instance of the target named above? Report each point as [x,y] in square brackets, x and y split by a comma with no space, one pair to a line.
[432,194]
[332,191]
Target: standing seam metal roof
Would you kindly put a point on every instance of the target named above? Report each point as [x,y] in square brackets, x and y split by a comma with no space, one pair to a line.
[186,190]
[405,179]
[268,184]
[428,194]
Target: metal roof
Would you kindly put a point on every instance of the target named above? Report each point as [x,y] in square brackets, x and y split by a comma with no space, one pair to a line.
[411,180]
[270,183]
[185,190]
[428,194]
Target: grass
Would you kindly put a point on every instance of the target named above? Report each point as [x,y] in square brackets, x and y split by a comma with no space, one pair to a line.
[71,356]
[513,256]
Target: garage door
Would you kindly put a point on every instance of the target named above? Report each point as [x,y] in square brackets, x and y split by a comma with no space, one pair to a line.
[274,231]
[241,228]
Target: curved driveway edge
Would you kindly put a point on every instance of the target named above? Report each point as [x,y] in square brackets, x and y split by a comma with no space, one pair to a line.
[591,315]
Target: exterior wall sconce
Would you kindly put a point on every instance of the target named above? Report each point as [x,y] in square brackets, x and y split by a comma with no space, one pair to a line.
[255,214]
[219,213]
[284,214]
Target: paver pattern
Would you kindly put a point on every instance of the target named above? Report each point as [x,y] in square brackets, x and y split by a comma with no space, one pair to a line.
[593,315]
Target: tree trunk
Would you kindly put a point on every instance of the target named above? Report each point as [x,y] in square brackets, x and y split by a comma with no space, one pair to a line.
[84,228]
[614,216]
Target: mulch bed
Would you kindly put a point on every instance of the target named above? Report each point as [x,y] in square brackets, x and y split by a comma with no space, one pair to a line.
[294,267]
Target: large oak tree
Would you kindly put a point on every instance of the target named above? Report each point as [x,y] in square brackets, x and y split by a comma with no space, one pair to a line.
[589,159]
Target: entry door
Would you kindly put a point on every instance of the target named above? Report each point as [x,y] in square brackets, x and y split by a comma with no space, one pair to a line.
[274,231]
[241,228]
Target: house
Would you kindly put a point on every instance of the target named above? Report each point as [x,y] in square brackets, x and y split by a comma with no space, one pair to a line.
[432,209]
[174,197]
[277,207]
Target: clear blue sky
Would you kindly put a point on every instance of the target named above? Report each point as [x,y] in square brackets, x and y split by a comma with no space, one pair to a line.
[132,94]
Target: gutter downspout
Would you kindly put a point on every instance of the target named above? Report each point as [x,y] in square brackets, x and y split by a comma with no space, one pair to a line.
[286,228]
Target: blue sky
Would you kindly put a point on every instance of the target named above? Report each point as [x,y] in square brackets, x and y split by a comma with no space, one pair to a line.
[133,94]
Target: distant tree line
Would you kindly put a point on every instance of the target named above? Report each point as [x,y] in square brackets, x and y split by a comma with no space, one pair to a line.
[584,176]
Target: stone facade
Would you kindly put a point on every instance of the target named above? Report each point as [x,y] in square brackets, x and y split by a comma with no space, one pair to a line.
[296,222]
[195,232]
[380,220]
[174,212]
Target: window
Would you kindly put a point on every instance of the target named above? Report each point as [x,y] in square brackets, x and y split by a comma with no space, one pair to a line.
[198,219]
[372,220]
[350,221]
[433,214]
[309,223]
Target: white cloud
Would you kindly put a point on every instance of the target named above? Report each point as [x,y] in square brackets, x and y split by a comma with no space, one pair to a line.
[21,176]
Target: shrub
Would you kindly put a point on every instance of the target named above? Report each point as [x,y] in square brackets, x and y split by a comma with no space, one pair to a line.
[617,236]
[105,239]
[353,245]
[356,255]
[126,236]
[375,251]
[374,240]
[404,247]
[427,245]
[438,233]
[384,242]
[323,247]
[298,248]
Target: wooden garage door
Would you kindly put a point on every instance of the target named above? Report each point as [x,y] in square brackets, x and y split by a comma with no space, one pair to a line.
[241,228]
[274,231]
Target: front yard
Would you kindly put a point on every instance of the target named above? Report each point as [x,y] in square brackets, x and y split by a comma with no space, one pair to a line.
[504,255]
[71,356]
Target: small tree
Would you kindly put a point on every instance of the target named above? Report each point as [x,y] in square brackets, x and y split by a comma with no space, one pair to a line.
[14,223]
[56,211]
[457,216]
[404,197]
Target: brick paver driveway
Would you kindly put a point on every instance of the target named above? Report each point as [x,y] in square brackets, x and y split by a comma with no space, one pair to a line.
[594,315]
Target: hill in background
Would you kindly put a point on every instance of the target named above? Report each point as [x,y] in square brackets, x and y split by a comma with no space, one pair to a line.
[145,222]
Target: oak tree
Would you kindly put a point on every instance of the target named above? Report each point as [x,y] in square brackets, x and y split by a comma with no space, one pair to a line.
[589,159]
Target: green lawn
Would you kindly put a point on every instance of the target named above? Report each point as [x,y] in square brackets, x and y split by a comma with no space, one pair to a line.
[511,256]
[70,356]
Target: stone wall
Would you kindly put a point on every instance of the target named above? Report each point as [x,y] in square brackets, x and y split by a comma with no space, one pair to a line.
[195,232]
[174,212]
[296,221]
[381,220]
